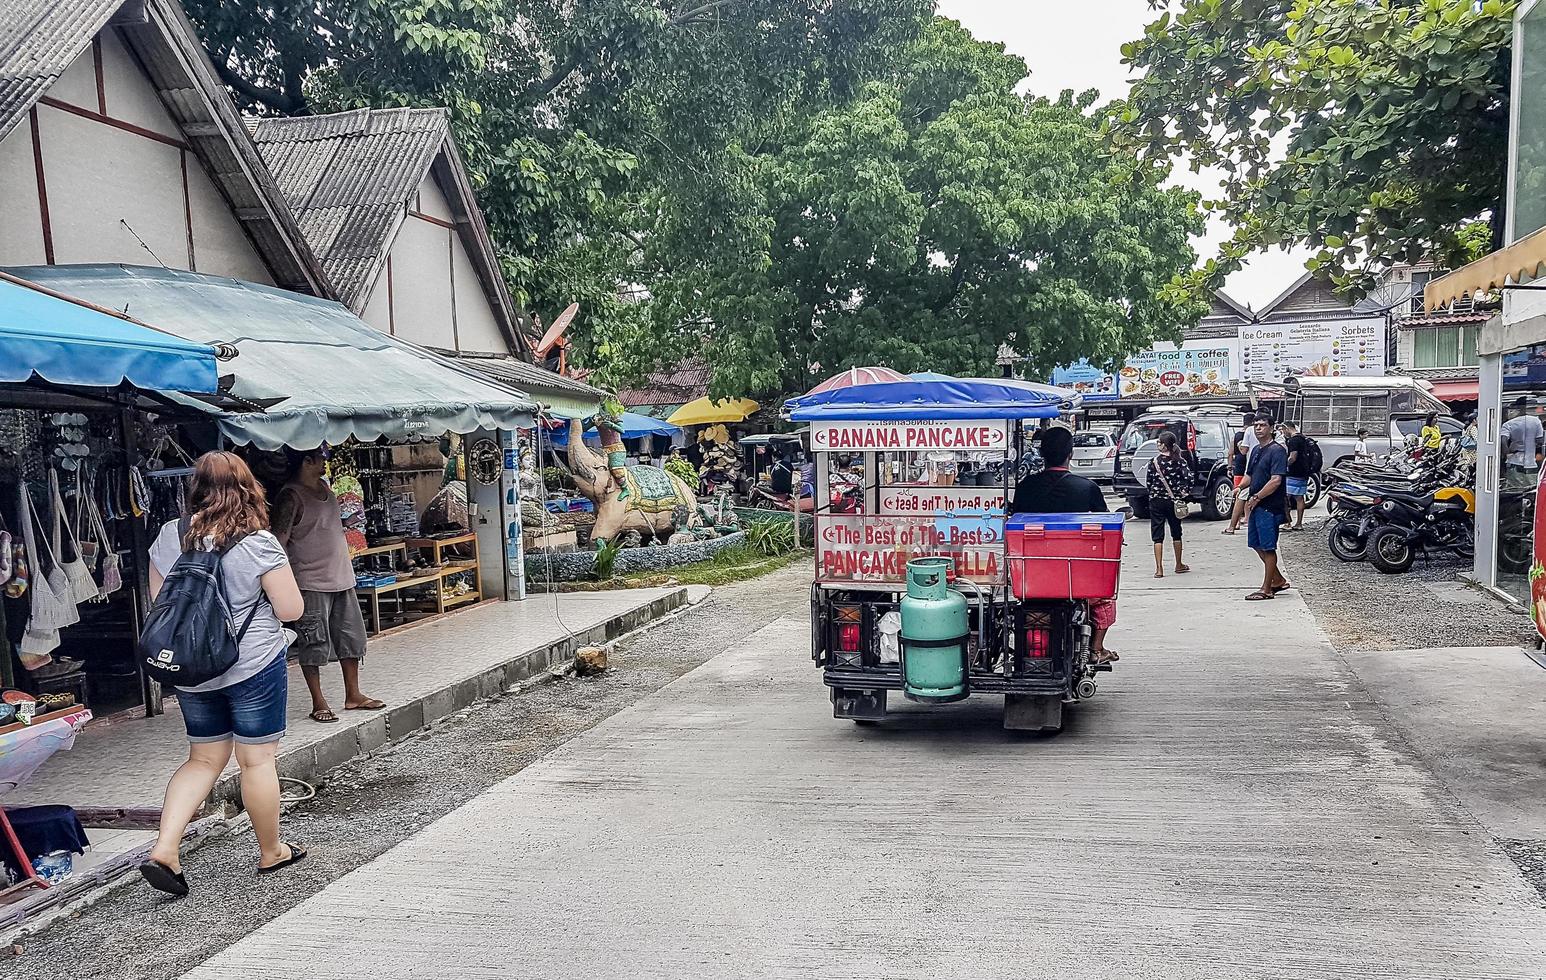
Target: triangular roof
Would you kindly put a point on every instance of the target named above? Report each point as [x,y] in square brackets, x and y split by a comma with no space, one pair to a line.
[39,39]
[350,176]
[1319,294]
[1224,304]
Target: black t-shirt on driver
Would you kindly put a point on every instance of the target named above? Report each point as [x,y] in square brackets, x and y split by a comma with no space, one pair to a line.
[1057,492]
[1298,466]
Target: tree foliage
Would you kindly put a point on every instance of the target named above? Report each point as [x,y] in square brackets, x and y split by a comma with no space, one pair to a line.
[1374,131]
[784,186]
[935,216]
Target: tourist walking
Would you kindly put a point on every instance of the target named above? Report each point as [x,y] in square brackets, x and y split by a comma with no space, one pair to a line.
[1298,482]
[1169,477]
[1265,506]
[308,522]
[245,706]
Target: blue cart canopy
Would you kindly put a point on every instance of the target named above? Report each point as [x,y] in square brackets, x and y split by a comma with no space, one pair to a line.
[634,427]
[925,401]
[69,342]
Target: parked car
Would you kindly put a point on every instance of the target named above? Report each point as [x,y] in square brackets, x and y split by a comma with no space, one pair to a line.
[1205,431]
[1094,453]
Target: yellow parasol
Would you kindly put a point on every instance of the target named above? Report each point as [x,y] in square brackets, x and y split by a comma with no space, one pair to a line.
[701,411]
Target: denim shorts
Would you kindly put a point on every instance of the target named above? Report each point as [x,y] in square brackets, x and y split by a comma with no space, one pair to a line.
[252,711]
[1262,534]
[1297,485]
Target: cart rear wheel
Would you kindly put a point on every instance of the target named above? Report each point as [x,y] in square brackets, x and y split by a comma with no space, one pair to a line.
[1033,713]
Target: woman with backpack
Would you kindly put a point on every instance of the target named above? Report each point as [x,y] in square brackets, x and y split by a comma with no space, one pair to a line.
[245,704]
[1169,478]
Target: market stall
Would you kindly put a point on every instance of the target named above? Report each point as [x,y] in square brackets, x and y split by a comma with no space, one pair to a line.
[427,537]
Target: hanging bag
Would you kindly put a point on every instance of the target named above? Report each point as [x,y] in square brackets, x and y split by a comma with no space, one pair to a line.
[51,605]
[189,636]
[88,545]
[83,588]
[6,559]
[1181,507]
[112,577]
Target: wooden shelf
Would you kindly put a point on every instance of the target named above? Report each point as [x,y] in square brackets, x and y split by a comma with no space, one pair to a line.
[400,584]
[381,549]
[462,599]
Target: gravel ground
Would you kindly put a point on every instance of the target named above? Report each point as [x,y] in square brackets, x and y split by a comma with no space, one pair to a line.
[370,805]
[1361,609]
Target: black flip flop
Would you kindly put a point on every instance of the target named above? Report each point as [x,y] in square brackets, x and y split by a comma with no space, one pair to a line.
[296,853]
[164,879]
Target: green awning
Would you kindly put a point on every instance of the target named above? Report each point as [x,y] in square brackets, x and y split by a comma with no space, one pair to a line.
[337,375]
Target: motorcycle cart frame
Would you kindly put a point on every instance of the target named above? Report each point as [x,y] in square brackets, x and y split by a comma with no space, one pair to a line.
[1035,653]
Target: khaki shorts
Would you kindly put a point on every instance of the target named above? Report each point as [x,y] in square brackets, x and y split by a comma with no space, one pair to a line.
[332,628]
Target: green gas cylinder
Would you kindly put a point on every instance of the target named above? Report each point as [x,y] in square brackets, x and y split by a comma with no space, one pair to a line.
[934,632]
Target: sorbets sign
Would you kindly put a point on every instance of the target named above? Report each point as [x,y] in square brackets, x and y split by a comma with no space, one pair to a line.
[967,436]
[873,549]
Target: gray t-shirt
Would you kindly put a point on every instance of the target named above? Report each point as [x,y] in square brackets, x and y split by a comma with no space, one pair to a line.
[243,568]
[1520,435]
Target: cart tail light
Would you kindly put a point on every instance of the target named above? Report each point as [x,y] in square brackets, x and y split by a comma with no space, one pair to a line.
[848,638]
[1191,438]
[1111,453]
[1038,643]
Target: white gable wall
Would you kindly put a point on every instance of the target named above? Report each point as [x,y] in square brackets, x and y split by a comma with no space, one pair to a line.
[421,284]
[476,327]
[436,298]
[112,182]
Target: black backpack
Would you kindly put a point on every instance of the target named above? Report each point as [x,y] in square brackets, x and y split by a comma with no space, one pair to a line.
[1312,454]
[189,637]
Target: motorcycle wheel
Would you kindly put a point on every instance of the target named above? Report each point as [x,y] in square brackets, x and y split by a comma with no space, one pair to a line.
[1515,553]
[1389,550]
[1344,541]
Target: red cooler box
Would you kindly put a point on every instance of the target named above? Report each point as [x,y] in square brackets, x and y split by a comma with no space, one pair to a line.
[1064,556]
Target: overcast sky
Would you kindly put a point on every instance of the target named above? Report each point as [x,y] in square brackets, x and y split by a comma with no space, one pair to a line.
[1078,46]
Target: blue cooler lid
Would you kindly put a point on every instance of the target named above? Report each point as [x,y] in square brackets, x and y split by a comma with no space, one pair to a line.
[1065,522]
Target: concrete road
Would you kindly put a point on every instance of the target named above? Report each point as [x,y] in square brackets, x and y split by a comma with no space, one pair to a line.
[1232,805]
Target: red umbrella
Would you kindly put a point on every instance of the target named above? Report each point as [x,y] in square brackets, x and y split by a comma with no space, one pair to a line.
[858,376]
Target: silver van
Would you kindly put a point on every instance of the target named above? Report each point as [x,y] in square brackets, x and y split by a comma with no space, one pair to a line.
[1332,410]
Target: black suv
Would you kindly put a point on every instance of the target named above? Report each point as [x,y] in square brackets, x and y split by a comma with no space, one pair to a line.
[1204,432]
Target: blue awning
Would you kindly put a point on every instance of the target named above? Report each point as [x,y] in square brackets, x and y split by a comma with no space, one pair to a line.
[335,375]
[69,342]
[634,427]
[923,401]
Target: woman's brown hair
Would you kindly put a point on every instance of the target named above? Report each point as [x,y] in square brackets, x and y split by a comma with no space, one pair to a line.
[225,502]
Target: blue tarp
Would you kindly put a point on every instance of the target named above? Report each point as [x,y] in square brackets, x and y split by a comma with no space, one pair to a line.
[922,401]
[72,343]
[930,376]
[634,427]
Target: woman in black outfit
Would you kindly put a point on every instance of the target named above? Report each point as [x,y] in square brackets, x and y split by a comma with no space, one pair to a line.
[1169,477]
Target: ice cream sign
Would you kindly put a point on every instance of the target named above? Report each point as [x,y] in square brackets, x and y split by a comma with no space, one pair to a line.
[1315,348]
[868,436]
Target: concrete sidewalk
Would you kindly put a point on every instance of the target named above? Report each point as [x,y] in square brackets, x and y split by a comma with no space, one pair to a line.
[1233,804]
[423,674]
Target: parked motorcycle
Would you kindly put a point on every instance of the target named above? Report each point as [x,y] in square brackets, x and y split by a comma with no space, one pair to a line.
[1442,522]
[1368,496]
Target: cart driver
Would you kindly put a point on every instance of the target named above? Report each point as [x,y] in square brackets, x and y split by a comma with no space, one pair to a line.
[1057,491]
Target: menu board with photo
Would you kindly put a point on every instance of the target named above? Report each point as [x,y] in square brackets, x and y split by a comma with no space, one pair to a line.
[1091,382]
[1315,348]
[1190,372]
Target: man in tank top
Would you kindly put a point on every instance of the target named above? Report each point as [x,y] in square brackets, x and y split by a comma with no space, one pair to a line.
[307,521]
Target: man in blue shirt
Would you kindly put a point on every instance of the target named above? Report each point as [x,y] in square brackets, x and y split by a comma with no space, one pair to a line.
[1264,508]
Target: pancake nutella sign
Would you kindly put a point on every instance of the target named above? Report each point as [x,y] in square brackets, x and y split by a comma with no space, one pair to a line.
[969,436]
[869,548]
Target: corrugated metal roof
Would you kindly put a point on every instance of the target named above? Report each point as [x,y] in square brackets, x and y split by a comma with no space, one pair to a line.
[38,41]
[671,386]
[40,38]
[565,396]
[349,177]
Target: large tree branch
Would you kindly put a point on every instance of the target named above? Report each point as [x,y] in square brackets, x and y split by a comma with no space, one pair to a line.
[571,64]
[281,101]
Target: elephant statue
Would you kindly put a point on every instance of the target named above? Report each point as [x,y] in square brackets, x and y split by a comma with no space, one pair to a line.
[655,502]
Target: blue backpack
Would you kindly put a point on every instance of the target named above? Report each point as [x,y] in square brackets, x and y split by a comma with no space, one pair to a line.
[189,635]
